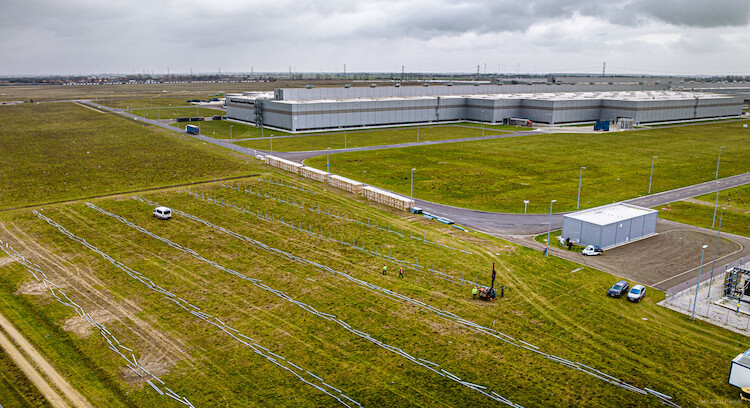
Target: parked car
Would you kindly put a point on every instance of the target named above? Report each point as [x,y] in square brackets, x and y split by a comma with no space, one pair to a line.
[637,293]
[162,213]
[618,289]
[592,250]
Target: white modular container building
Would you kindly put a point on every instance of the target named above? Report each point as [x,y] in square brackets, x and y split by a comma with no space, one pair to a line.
[610,225]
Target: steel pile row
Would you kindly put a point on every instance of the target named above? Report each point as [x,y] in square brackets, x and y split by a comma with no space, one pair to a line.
[434,367]
[281,183]
[663,398]
[126,353]
[302,374]
[316,208]
[319,234]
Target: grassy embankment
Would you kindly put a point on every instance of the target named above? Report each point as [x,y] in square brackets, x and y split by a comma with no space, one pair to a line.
[497,175]
[56,152]
[736,204]
[361,138]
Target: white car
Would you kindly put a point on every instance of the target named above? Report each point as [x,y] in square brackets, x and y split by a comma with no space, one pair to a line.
[162,213]
[636,293]
[591,250]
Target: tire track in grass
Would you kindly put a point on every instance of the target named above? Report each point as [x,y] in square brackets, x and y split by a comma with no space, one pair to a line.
[302,374]
[114,344]
[126,315]
[434,367]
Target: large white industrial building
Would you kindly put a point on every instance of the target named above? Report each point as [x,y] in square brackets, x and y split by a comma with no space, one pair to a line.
[306,109]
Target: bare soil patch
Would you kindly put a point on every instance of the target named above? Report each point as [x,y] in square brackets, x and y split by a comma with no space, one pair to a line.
[82,327]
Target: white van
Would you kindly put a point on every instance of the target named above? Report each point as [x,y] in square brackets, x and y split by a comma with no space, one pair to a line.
[162,213]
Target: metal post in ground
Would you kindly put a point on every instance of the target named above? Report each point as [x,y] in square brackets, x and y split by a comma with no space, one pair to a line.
[716,252]
[717,188]
[549,228]
[698,284]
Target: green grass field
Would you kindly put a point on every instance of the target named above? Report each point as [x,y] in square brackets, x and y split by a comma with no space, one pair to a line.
[173,113]
[736,204]
[152,102]
[366,138]
[220,130]
[59,151]
[497,175]
[587,327]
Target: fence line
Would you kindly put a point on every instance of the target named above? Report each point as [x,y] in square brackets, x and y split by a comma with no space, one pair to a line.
[690,284]
[396,296]
[316,208]
[213,320]
[123,351]
[318,233]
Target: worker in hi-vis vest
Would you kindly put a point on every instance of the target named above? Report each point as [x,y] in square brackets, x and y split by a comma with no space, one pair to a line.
[385,269]
[474,292]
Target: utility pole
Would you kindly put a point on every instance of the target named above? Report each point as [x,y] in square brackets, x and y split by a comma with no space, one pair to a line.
[549,228]
[716,253]
[604,68]
[698,285]
[717,188]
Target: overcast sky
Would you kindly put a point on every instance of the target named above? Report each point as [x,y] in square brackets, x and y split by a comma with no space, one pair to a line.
[680,37]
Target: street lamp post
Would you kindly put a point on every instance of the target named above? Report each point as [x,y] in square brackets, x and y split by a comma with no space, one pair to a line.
[345,139]
[328,162]
[417,133]
[652,173]
[697,285]
[271,140]
[549,228]
[230,132]
[580,178]
[525,203]
[717,191]
[716,253]
[411,184]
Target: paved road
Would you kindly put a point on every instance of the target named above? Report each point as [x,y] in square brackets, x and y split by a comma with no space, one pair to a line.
[525,224]
[489,222]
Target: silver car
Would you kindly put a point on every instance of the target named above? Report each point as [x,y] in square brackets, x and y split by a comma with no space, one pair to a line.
[636,293]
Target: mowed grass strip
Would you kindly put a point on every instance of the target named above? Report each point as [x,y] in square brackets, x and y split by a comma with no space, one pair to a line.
[361,138]
[179,112]
[219,129]
[498,175]
[564,313]
[153,102]
[63,151]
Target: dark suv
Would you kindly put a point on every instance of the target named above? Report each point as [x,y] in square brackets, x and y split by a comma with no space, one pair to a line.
[618,289]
